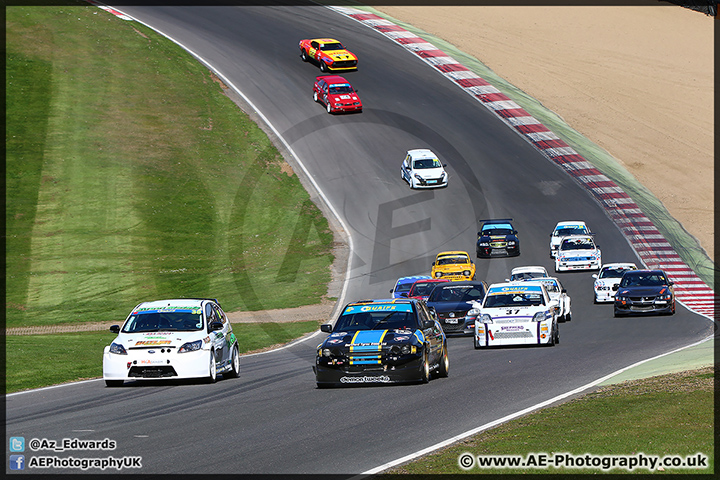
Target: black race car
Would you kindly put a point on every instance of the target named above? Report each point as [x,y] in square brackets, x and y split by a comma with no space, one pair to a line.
[497,238]
[643,292]
[381,341]
[451,302]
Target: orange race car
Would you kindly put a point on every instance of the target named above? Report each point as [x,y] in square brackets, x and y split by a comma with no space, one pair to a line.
[329,53]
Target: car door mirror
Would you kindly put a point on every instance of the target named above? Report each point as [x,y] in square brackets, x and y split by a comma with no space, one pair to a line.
[616,287]
[594,275]
[115,328]
[428,324]
[216,326]
[326,328]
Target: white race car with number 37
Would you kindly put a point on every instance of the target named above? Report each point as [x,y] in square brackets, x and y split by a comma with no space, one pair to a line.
[515,313]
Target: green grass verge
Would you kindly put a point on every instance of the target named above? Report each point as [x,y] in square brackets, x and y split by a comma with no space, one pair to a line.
[664,415]
[131,176]
[34,361]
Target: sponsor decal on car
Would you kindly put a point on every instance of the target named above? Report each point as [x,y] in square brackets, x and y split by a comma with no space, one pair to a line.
[366,379]
[153,342]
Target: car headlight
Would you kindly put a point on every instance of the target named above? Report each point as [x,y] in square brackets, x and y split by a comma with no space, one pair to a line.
[117,349]
[484,244]
[418,177]
[473,312]
[438,274]
[666,296]
[539,317]
[466,273]
[486,318]
[191,346]
[511,242]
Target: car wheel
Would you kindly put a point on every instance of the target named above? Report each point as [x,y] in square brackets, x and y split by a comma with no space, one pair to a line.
[212,376]
[616,314]
[315,97]
[323,385]
[476,344]
[235,362]
[425,368]
[323,66]
[304,55]
[568,316]
[557,335]
[328,107]
[114,383]
[551,343]
[444,363]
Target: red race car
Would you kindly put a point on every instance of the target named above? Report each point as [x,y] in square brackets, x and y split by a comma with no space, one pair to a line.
[329,53]
[336,94]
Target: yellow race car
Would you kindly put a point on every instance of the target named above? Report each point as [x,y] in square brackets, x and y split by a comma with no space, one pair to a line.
[453,265]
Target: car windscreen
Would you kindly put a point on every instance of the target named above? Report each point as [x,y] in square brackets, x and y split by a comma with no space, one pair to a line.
[577,244]
[426,163]
[565,231]
[643,280]
[339,89]
[457,293]
[515,299]
[154,321]
[421,289]
[526,275]
[332,46]
[452,260]
[376,321]
[403,287]
[612,272]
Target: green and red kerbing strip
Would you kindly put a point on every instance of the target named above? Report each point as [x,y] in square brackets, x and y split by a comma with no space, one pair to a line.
[651,246]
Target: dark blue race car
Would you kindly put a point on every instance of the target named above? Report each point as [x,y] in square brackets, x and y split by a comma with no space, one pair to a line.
[452,300]
[381,341]
[497,238]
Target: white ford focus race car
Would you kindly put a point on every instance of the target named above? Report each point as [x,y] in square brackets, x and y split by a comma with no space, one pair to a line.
[516,313]
[172,339]
[578,252]
[608,277]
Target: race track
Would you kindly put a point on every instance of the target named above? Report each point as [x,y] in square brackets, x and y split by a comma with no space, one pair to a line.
[273,419]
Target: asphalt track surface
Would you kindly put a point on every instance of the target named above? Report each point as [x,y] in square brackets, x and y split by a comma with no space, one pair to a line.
[273,419]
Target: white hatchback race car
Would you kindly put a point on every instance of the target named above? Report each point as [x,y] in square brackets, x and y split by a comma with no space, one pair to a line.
[172,339]
[564,229]
[422,169]
[608,277]
[527,273]
[578,252]
[516,313]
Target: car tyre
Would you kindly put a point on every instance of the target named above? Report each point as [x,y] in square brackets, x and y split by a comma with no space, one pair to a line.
[425,368]
[323,66]
[328,108]
[235,362]
[114,383]
[315,97]
[212,375]
[444,363]
[304,55]
[476,344]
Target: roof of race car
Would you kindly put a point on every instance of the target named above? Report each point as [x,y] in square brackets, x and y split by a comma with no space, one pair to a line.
[570,223]
[515,287]
[452,253]
[380,305]
[619,265]
[528,269]
[184,304]
[421,153]
[325,40]
[412,279]
[332,79]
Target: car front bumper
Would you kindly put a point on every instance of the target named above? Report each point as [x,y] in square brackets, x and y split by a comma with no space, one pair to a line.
[526,333]
[370,374]
[643,307]
[141,365]
[567,265]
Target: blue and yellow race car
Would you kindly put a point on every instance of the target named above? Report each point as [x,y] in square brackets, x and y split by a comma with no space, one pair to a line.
[382,341]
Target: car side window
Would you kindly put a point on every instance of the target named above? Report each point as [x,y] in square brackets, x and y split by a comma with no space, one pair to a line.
[219,314]
[314,44]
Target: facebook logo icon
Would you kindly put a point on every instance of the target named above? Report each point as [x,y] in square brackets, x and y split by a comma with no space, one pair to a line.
[17,462]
